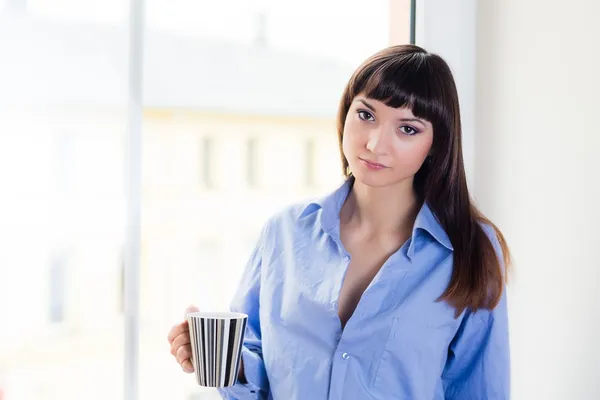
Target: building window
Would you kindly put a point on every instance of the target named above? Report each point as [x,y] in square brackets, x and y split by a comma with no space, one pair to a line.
[58,288]
[252,162]
[206,159]
[310,168]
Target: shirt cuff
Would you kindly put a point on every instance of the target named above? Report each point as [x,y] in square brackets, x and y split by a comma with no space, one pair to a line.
[254,372]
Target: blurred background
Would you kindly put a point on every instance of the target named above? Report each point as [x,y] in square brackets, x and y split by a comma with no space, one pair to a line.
[106,238]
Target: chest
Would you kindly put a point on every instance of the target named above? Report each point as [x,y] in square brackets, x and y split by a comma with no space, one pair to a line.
[387,305]
[317,278]
[367,258]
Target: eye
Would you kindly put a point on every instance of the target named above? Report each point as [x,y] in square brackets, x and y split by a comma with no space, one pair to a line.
[408,130]
[365,115]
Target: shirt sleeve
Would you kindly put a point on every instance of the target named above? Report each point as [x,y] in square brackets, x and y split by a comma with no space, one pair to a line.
[246,300]
[478,365]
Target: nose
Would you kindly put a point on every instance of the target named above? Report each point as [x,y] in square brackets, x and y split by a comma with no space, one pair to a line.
[377,141]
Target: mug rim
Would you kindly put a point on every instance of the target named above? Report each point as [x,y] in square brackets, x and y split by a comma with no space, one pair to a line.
[221,315]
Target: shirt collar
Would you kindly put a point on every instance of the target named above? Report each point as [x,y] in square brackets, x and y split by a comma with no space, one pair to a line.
[331,206]
[428,222]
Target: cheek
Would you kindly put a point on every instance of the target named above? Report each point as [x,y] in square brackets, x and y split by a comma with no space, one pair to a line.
[350,139]
[346,145]
[410,157]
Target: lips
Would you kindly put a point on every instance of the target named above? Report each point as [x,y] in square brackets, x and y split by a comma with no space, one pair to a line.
[372,164]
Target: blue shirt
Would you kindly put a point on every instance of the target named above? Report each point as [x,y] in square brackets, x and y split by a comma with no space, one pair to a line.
[399,343]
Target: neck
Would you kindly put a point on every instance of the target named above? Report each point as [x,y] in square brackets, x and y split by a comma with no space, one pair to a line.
[381,210]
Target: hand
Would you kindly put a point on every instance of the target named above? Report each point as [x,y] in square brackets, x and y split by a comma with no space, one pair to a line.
[179,339]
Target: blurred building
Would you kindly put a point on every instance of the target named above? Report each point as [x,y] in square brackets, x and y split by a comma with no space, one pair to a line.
[231,134]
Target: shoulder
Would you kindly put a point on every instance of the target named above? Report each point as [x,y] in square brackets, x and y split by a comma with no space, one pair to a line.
[498,242]
[490,231]
[282,229]
[287,221]
[494,236]
[287,216]
[307,209]
[300,220]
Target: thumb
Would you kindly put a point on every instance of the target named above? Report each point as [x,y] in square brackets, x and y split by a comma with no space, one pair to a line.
[191,309]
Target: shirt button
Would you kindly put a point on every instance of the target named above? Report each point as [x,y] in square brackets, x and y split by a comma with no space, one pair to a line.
[334,305]
[346,258]
[345,356]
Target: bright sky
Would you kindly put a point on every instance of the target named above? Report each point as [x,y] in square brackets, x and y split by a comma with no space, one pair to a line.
[348,30]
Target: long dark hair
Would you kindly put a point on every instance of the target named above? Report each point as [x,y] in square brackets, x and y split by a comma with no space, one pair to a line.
[409,76]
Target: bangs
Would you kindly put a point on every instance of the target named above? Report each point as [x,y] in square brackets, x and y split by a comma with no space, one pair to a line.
[408,81]
[407,76]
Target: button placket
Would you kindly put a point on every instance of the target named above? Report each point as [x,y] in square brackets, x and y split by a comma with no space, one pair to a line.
[338,375]
[341,357]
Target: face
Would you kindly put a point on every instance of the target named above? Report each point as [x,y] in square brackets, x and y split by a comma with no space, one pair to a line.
[384,145]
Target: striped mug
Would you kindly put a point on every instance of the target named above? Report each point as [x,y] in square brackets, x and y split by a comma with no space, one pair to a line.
[216,339]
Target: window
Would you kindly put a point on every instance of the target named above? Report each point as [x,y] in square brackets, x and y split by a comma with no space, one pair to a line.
[206,161]
[259,94]
[58,288]
[63,115]
[66,157]
[252,166]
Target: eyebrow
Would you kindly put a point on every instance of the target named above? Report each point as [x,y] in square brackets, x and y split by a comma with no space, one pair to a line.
[370,107]
[413,120]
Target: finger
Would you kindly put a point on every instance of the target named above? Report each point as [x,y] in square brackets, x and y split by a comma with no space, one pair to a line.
[181,340]
[183,353]
[191,308]
[177,330]
[187,366]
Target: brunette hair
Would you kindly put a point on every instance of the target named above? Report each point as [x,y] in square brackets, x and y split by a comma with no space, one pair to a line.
[409,76]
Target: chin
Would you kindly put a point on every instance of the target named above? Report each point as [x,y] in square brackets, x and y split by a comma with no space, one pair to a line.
[372,180]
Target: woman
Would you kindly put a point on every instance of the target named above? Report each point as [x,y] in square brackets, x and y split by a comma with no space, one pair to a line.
[391,287]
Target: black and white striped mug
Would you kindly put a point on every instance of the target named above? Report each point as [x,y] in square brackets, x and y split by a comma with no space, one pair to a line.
[216,339]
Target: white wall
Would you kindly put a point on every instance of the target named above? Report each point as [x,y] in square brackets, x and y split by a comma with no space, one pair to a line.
[537,165]
[528,76]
